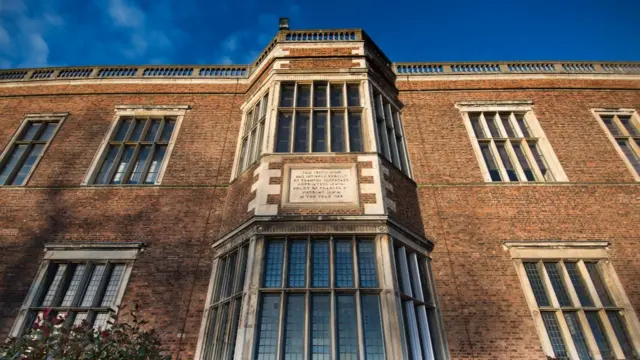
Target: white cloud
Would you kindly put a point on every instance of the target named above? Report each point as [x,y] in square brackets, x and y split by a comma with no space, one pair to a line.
[23,33]
[126,15]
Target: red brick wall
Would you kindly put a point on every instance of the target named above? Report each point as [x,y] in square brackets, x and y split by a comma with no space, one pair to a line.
[405,197]
[483,304]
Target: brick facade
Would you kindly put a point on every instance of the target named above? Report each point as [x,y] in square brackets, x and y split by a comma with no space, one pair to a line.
[483,306]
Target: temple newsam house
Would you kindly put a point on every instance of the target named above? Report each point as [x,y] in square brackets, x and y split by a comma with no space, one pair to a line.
[327,203]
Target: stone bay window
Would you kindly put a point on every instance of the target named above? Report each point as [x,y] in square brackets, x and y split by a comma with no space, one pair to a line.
[327,296]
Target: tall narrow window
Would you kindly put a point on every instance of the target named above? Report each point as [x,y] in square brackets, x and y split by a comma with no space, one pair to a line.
[623,129]
[510,144]
[419,315]
[26,148]
[223,311]
[136,150]
[253,132]
[572,302]
[322,117]
[390,135]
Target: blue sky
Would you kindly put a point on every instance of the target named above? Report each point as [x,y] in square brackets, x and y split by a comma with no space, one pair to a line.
[95,32]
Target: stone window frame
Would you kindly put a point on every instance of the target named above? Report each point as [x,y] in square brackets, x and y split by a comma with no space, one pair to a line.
[578,252]
[177,111]
[396,153]
[633,139]
[549,157]
[90,253]
[58,118]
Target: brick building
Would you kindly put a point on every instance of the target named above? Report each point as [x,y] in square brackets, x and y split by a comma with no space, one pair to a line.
[325,202]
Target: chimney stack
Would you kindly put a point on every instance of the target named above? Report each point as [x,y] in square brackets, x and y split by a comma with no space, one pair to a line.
[284,24]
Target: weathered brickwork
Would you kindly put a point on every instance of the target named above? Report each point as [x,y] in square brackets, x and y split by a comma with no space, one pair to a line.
[447,200]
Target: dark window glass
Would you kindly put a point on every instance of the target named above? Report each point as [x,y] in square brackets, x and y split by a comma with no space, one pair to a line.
[337,98]
[320,264]
[506,161]
[611,125]
[542,165]
[491,124]
[617,323]
[74,284]
[297,263]
[355,131]
[320,327]
[286,95]
[578,284]
[153,130]
[504,117]
[344,263]
[154,167]
[337,132]
[10,164]
[260,138]
[223,317]
[319,131]
[21,176]
[167,130]
[137,130]
[320,94]
[372,327]
[628,124]
[536,283]
[92,287]
[294,328]
[302,132]
[273,264]
[598,333]
[267,342]
[523,125]
[347,334]
[367,264]
[48,131]
[304,96]
[124,163]
[233,330]
[283,132]
[558,285]
[231,271]
[630,153]
[353,95]
[489,160]
[31,131]
[123,128]
[475,124]
[524,163]
[382,139]
[102,177]
[601,289]
[553,330]
[577,335]
[138,167]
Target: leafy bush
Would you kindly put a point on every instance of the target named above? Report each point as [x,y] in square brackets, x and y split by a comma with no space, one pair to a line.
[53,338]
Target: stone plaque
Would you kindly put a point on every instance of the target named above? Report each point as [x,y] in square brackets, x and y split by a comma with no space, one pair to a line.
[323,185]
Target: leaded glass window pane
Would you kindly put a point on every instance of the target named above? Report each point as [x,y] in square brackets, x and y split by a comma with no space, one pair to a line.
[344,263]
[553,330]
[578,284]
[320,327]
[347,334]
[320,264]
[267,342]
[573,323]
[297,263]
[620,329]
[372,327]
[367,264]
[273,267]
[294,328]
[536,283]
[558,285]
[598,333]
[601,289]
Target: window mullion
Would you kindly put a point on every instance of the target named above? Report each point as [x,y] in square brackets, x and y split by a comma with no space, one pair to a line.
[354,259]
[327,128]
[621,128]
[115,164]
[82,287]
[333,323]
[573,295]
[584,273]
[546,281]
[310,130]
[514,161]
[131,164]
[610,334]
[532,161]
[588,335]
[498,160]
[566,335]
[147,163]
[514,125]
[345,130]
[359,323]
